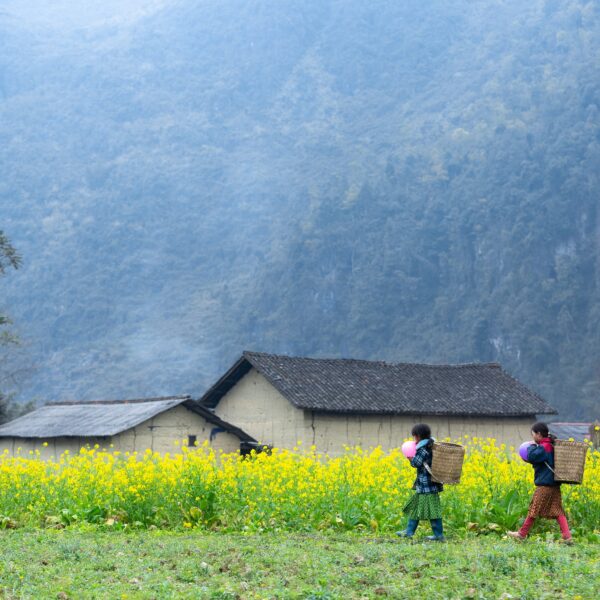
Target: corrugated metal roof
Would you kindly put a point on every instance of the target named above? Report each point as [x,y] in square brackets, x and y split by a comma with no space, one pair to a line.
[87,419]
[565,431]
[373,387]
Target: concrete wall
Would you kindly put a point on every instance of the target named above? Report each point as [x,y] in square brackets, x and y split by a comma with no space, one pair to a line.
[159,434]
[260,410]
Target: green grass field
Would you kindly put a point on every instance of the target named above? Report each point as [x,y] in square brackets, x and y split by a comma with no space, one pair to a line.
[154,564]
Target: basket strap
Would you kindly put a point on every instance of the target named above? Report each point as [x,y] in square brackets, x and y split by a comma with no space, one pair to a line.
[553,471]
[433,479]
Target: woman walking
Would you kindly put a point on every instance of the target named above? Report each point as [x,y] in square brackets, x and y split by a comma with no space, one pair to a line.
[547,499]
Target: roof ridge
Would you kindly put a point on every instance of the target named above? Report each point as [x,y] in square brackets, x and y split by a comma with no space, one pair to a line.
[376,362]
[125,401]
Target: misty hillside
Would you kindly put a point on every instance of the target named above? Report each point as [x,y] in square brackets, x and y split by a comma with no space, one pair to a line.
[404,181]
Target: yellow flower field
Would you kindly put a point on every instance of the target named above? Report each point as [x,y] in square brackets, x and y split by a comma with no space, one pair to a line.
[281,490]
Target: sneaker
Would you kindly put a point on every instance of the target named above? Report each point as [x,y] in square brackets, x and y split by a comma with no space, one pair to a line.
[515,535]
[404,534]
[435,538]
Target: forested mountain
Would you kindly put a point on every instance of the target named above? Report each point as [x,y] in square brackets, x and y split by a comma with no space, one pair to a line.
[406,181]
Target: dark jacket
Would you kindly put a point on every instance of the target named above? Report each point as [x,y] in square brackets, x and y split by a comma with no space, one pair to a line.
[423,483]
[540,458]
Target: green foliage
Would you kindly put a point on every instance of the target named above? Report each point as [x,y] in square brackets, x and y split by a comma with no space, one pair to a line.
[8,255]
[9,258]
[11,409]
[88,564]
[387,180]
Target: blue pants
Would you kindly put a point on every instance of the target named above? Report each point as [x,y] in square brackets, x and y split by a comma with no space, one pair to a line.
[436,527]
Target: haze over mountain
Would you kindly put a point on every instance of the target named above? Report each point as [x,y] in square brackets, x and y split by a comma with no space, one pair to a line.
[404,181]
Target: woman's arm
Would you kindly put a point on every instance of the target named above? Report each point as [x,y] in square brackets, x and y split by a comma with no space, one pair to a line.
[419,458]
[537,454]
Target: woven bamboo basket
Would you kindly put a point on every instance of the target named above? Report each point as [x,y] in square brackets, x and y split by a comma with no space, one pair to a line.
[447,462]
[569,461]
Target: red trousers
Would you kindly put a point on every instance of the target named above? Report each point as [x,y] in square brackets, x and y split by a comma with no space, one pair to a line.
[562,522]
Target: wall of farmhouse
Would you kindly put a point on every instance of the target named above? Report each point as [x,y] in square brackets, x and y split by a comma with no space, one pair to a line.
[260,410]
[51,448]
[331,432]
[166,431]
[159,434]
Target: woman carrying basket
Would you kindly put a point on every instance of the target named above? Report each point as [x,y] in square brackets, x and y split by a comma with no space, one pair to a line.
[425,503]
[547,500]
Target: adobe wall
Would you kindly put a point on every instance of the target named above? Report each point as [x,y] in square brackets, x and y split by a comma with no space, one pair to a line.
[331,432]
[260,410]
[161,432]
[51,448]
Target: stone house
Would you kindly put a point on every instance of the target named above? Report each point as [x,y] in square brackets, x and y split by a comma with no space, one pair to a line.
[129,425]
[329,403]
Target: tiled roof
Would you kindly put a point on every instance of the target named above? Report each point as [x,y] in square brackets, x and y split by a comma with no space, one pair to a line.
[103,418]
[362,387]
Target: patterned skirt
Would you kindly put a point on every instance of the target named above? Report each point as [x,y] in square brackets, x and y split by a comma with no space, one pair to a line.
[546,502]
[423,507]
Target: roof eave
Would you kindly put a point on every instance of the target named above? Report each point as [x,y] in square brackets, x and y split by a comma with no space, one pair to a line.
[212,418]
[424,412]
[214,394]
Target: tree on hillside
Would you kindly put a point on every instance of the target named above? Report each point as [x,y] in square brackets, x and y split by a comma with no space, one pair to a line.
[9,258]
[8,255]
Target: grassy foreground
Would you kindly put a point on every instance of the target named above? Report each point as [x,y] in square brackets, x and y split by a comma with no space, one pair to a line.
[154,564]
